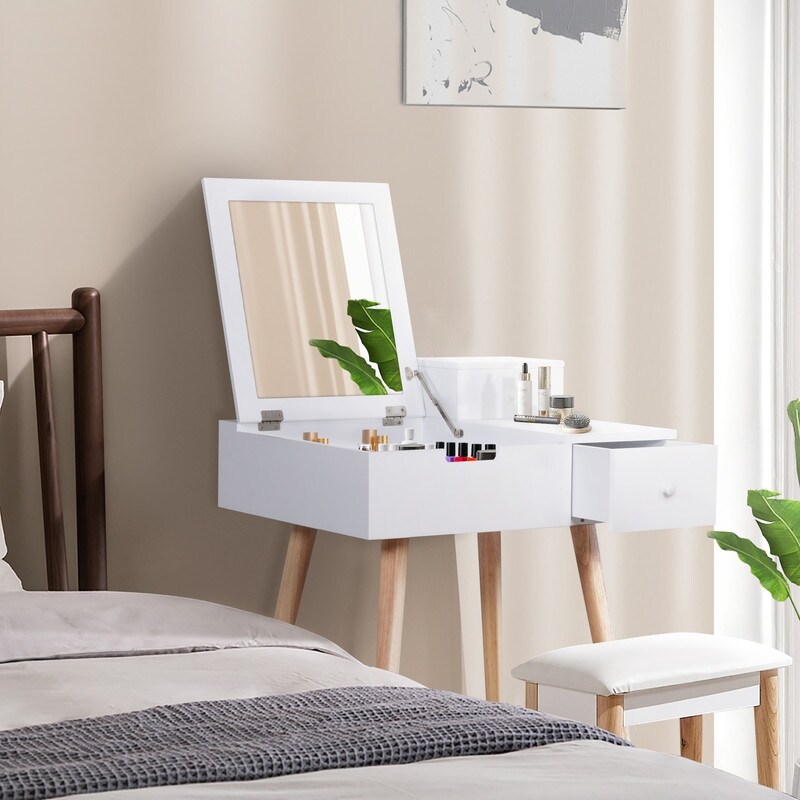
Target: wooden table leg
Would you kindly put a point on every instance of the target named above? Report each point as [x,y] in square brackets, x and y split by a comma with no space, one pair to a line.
[491,609]
[295,569]
[767,734]
[391,602]
[587,557]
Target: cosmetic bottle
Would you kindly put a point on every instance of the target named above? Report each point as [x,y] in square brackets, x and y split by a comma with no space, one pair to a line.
[408,443]
[383,447]
[524,392]
[473,451]
[440,445]
[369,437]
[450,451]
[544,391]
[463,452]
[309,436]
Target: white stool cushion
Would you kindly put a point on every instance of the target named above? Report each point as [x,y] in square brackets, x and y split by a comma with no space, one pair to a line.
[648,662]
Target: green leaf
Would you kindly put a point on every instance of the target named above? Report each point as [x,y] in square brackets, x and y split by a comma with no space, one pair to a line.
[374,328]
[761,565]
[793,410]
[360,371]
[779,520]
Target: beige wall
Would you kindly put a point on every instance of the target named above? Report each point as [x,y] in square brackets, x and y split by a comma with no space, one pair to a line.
[580,235]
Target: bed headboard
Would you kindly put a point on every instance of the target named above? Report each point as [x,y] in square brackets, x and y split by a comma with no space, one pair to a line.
[82,321]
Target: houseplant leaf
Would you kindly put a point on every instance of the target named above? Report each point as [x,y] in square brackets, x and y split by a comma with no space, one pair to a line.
[761,565]
[374,327]
[360,371]
[793,410]
[779,520]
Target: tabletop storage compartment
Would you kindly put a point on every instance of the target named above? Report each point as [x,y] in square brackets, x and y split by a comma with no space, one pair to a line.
[391,494]
[645,487]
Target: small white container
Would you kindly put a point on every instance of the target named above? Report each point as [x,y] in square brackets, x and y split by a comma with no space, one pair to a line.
[483,387]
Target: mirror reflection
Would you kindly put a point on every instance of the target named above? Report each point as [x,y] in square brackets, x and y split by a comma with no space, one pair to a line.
[315,299]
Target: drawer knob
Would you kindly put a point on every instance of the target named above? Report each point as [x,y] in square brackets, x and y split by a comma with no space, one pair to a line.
[669,490]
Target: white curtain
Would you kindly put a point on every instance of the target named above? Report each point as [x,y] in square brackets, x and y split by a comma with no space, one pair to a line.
[786,299]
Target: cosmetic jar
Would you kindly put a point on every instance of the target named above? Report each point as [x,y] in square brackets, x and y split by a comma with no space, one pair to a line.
[561,405]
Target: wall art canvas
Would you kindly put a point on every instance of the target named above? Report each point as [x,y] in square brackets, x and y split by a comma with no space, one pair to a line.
[560,53]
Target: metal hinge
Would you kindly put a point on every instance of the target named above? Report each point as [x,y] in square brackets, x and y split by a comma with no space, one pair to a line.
[271,420]
[437,404]
[394,415]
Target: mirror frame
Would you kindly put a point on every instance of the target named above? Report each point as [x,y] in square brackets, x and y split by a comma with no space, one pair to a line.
[218,193]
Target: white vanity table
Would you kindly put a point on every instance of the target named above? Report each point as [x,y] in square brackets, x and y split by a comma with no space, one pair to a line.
[632,477]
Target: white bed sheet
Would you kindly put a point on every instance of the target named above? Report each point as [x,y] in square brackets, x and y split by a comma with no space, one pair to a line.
[249,655]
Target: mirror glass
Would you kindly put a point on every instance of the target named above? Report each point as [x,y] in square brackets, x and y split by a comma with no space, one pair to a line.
[313,271]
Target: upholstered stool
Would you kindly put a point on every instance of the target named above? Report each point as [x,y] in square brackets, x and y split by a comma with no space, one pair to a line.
[668,676]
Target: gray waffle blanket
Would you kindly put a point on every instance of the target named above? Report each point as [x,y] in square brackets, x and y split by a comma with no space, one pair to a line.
[262,737]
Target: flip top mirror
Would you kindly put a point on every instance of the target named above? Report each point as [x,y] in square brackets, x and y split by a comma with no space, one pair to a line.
[312,297]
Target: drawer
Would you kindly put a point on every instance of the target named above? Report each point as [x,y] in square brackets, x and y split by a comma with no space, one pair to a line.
[645,487]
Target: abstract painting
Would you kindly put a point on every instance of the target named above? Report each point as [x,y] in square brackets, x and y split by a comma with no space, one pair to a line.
[560,53]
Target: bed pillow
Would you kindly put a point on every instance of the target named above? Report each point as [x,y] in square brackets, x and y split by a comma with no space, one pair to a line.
[9,582]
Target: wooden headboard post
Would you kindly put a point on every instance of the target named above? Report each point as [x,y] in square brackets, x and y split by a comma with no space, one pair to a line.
[90,471]
[83,322]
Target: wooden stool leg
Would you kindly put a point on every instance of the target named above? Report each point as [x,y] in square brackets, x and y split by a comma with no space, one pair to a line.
[532,696]
[692,738]
[767,736]
[391,602]
[611,714]
[295,569]
[587,557]
[491,610]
